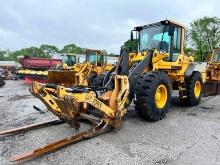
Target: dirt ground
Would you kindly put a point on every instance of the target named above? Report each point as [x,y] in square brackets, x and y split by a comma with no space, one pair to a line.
[188,135]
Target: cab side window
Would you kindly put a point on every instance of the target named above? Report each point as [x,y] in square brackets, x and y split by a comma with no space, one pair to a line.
[176,43]
[216,56]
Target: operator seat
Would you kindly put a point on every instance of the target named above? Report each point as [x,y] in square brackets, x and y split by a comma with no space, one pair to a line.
[164,46]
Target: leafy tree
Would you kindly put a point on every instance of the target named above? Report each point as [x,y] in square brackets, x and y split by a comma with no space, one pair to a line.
[104,52]
[131,45]
[2,58]
[189,51]
[49,49]
[192,52]
[111,54]
[32,52]
[205,35]
[72,48]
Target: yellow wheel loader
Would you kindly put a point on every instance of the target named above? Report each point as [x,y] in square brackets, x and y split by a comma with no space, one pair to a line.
[163,69]
[81,73]
[212,85]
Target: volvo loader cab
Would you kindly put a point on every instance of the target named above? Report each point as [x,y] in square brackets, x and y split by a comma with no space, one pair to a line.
[165,36]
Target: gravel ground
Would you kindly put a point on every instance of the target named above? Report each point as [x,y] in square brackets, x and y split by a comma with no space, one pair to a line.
[188,135]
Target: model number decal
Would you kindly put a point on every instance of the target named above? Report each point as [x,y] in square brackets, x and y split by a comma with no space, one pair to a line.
[97,103]
[94,102]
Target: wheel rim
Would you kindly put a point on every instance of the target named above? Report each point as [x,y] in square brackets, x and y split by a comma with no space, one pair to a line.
[161,96]
[197,88]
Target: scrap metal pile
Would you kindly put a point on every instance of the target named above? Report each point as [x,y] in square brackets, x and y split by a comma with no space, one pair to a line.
[2,82]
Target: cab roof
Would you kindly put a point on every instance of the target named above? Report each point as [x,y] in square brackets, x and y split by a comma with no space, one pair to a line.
[160,23]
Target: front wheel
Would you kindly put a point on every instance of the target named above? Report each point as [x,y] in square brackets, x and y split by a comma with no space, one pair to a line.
[153,94]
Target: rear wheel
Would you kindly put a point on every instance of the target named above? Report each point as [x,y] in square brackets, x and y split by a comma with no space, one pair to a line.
[153,93]
[193,93]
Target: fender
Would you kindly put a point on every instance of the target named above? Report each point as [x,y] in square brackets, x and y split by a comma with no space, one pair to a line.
[189,70]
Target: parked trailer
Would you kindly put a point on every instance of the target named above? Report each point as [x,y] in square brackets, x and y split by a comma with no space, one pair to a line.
[35,69]
[34,63]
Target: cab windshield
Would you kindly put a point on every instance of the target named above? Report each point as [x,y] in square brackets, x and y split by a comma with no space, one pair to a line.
[70,60]
[155,37]
[216,57]
[94,58]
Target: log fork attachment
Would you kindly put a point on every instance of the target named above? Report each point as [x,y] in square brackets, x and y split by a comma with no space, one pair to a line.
[72,105]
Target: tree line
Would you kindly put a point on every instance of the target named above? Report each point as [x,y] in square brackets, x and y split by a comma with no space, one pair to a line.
[202,36]
[44,51]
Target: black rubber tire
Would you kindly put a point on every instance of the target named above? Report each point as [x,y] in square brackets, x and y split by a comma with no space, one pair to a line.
[2,82]
[145,95]
[191,99]
[91,78]
[98,81]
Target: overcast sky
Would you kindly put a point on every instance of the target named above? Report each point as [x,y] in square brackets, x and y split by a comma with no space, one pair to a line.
[100,24]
